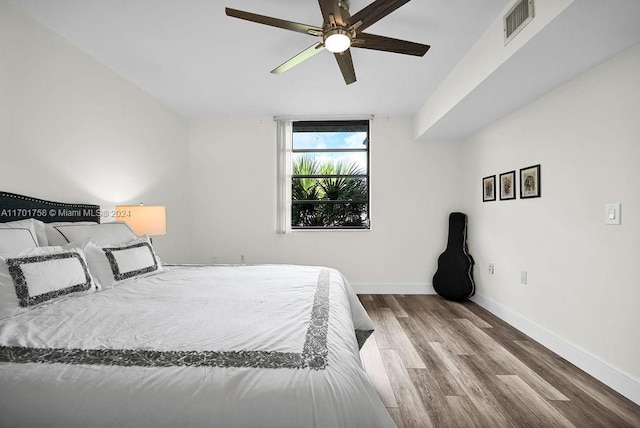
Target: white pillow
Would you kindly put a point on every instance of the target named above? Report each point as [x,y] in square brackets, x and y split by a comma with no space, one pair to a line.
[111,265]
[17,238]
[40,232]
[35,226]
[56,238]
[115,233]
[38,275]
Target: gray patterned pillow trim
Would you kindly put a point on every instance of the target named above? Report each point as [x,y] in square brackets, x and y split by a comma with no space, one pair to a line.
[313,355]
[119,276]
[22,288]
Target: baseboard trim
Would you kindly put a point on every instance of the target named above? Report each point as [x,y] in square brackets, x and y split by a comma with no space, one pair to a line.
[393,288]
[615,379]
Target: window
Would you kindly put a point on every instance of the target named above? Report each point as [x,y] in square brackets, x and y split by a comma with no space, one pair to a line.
[328,175]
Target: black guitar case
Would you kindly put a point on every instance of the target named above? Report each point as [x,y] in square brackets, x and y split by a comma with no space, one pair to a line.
[454,278]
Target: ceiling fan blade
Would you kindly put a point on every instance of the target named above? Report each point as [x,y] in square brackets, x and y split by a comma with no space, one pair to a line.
[375,12]
[302,56]
[346,66]
[381,43]
[274,22]
[330,7]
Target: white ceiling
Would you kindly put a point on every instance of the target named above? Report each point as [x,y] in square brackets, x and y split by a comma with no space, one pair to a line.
[193,58]
[200,63]
[582,36]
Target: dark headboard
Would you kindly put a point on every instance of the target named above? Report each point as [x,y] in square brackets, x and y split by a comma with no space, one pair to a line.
[17,207]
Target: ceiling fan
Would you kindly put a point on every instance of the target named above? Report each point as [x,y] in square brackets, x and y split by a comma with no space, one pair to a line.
[339,32]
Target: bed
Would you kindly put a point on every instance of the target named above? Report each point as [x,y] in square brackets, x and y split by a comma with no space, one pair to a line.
[169,346]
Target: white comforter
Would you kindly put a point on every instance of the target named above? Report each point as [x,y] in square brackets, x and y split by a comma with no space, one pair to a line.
[245,346]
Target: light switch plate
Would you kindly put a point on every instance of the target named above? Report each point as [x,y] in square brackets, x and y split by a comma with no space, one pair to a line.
[612,213]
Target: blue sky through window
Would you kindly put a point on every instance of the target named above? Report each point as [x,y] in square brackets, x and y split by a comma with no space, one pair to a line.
[333,140]
[329,140]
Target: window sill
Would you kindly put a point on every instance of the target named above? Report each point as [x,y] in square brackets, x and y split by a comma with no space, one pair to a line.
[330,230]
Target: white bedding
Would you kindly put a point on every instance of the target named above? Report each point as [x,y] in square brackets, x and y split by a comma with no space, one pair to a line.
[244,346]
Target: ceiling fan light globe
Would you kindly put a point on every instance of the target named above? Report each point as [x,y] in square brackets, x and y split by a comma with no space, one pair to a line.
[337,42]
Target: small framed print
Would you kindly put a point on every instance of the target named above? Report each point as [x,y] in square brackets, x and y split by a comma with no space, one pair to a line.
[530,182]
[507,185]
[489,188]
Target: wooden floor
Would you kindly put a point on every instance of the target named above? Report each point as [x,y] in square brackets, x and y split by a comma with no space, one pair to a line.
[443,364]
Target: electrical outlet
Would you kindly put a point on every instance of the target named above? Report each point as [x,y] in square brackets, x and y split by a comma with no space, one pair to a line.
[491,268]
[523,277]
[242,258]
[214,259]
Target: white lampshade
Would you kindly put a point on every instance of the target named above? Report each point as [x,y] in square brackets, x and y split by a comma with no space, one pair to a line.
[147,220]
[337,42]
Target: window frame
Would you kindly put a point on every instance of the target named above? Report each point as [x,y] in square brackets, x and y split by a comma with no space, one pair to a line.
[366,176]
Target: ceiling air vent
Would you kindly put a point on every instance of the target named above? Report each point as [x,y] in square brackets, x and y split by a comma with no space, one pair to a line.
[515,20]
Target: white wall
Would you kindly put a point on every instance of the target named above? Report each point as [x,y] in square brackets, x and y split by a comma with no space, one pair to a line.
[582,274]
[233,197]
[72,130]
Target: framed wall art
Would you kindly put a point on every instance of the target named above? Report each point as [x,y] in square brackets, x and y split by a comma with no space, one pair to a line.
[507,184]
[489,188]
[530,182]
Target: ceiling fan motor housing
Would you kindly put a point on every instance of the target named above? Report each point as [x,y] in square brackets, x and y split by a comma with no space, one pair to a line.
[336,35]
